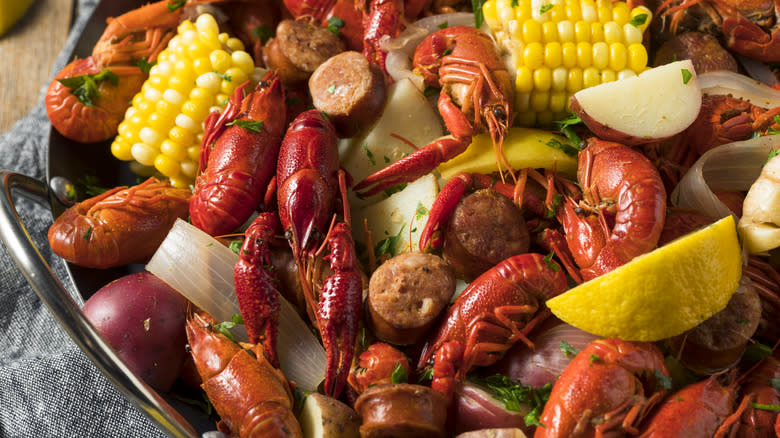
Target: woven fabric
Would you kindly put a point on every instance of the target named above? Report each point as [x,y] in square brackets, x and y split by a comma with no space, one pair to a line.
[48,387]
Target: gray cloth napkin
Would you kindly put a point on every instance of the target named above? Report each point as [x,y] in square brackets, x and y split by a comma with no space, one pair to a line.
[48,387]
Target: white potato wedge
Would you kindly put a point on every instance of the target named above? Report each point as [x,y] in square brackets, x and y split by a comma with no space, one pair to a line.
[657,104]
[326,417]
[407,118]
[494,433]
[391,220]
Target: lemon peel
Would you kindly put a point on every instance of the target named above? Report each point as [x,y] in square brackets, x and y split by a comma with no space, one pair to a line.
[662,293]
[523,147]
[11,12]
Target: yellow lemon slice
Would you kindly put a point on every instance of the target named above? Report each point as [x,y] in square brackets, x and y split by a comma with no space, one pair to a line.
[662,293]
[523,147]
[10,12]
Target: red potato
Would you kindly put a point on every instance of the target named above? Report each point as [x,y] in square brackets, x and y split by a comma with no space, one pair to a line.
[655,105]
[476,408]
[143,319]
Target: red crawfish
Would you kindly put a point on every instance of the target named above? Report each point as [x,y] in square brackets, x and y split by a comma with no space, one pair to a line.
[477,95]
[606,390]
[123,225]
[238,157]
[497,309]
[252,397]
[308,176]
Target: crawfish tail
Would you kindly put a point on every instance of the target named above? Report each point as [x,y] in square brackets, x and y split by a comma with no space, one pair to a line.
[252,398]
[340,308]
[241,162]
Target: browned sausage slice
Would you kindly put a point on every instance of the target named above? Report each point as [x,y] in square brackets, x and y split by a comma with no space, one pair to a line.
[350,90]
[298,48]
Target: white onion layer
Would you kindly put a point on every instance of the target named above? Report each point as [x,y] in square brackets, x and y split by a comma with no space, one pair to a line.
[201,269]
[739,86]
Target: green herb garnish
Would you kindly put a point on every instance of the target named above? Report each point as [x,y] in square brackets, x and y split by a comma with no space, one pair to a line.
[335,24]
[567,349]
[263,32]
[518,397]
[255,126]
[399,374]
[686,75]
[85,87]
[638,20]
[225,326]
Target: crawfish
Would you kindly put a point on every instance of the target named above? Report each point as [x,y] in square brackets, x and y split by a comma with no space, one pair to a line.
[120,226]
[252,398]
[308,174]
[748,27]
[606,390]
[139,34]
[376,366]
[498,308]
[618,182]
[236,171]
[755,422]
[476,96]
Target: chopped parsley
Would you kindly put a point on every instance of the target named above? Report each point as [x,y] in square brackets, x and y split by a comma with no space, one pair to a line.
[638,20]
[331,89]
[594,358]
[756,352]
[369,154]
[430,91]
[399,374]
[567,349]
[263,32]
[225,326]
[85,87]
[686,75]
[387,247]
[292,101]
[89,184]
[87,234]
[175,4]
[426,375]
[773,153]
[665,382]
[556,203]
[764,407]
[420,212]
[545,8]
[550,263]
[479,17]
[444,24]
[255,126]
[225,77]
[145,66]
[518,397]
[565,127]
[567,149]
[335,24]
[235,245]
[395,189]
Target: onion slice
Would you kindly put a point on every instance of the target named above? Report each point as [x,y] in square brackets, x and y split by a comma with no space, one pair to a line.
[739,86]
[732,166]
[201,269]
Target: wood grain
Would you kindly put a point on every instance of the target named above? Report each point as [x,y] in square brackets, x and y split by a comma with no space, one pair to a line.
[27,53]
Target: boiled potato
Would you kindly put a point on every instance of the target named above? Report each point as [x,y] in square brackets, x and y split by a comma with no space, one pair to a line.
[494,433]
[326,417]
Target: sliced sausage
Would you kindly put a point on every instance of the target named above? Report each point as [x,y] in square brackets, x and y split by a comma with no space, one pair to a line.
[298,48]
[406,294]
[702,49]
[402,410]
[485,228]
[350,90]
[718,343]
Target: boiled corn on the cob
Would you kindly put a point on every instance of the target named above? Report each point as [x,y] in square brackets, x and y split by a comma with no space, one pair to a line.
[558,47]
[193,76]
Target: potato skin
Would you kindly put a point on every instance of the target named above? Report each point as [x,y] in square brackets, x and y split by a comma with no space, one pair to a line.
[143,319]
[336,418]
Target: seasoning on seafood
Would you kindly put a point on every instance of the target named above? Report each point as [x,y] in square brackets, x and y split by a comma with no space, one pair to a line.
[252,398]
[476,96]
[607,390]
[500,307]
[308,178]
[238,157]
[123,225]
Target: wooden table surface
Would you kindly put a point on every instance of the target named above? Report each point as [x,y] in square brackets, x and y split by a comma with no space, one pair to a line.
[28,52]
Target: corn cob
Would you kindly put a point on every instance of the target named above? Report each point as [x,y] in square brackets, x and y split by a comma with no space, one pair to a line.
[558,47]
[194,76]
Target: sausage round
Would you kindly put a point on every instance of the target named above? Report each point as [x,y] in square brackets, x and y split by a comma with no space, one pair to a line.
[485,228]
[701,48]
[410,411]
[406,294]
[298,48]
[350,90]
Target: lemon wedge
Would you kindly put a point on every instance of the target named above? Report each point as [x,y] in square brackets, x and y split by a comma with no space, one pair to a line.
[660,294]
[10,12]
[523,147]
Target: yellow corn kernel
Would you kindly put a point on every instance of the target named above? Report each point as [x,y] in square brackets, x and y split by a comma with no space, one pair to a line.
[180,182]
[184,26]
[566,31]
[620,13]
[207,22]
[202,97]
[144,154]
[540,100]
[608,75]
[181,135]
[237,77]
[166,165]
[550,32]
[533,55]
[584,55]
[151,94]
[522,102]
[242,60]
[627,73]
[223,37]
[524,81]
[600,55]
[121,150]
[489,13]
[210,81]
[189,168]
[631,34]
[157,81]
[532,31]
[150,136]
[186,122]
[589,12]
[613,32]
[542,79]
[569,54]
[596,32]
[523,11]
[642,16]
[582,31]
[558,101]
[220,60]
[234,44]
[553,54]
[574,80]
[173,149]
[591,77]
[164,68]
[558,12]
[573,10]
[637,57]
[559,78]
[605,14]
[617,56]
[173,97]
[193,152]
[201,65]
